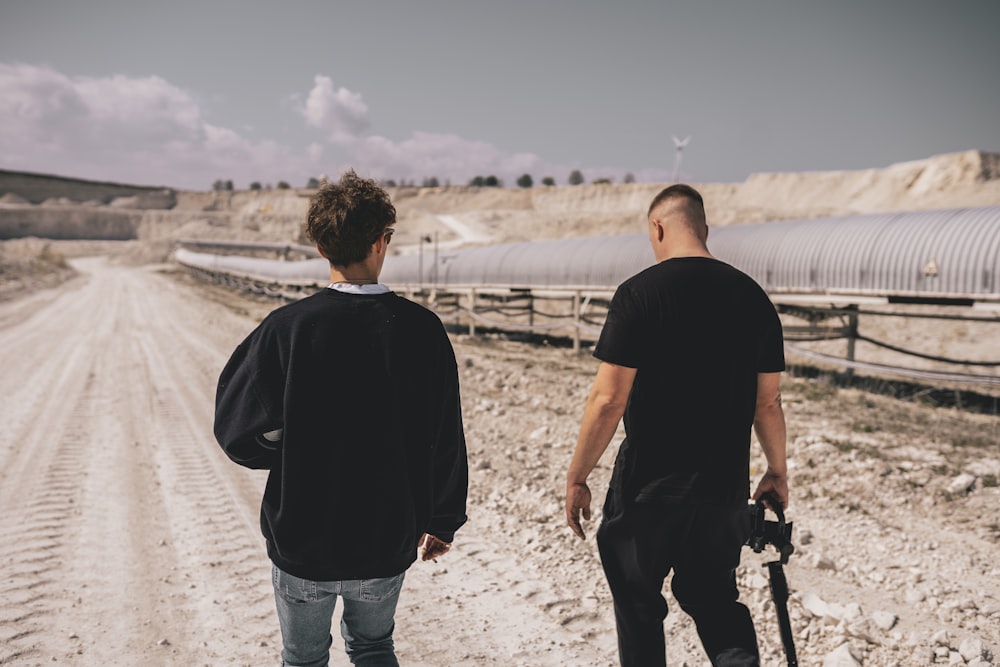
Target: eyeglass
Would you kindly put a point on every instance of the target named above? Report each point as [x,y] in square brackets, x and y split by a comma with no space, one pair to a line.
[385,233]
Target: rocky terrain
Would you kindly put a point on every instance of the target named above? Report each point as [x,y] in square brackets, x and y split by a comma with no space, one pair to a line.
[128,538]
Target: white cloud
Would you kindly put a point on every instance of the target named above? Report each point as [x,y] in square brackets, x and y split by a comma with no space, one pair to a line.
[424,154]
[147,130]
[339,111]
[131,129]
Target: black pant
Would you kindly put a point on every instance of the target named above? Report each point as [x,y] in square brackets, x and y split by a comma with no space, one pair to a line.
[640,543]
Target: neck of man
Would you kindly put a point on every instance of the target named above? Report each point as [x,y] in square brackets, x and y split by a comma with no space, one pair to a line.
[359,273]
[674,251]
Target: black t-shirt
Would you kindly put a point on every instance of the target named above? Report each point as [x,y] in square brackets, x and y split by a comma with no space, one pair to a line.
[698,331]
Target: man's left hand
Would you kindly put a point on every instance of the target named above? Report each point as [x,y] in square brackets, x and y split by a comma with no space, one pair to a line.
[432,547]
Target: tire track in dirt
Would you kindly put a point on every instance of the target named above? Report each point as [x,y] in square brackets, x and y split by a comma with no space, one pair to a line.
[49,390]
[120,536]
[46,467]
[220,584]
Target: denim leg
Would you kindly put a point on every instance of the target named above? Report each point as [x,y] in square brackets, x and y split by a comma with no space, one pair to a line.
[305,611]
[367,622]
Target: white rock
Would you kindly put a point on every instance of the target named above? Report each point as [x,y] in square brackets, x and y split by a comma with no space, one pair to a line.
[862,629]
[971,649]
[913,596]
[538,432]
[841,657]
[884,620]
[983,467]
[851,612]
[814,605]
[962,484]
[955,658]
[941,638]
[821,448]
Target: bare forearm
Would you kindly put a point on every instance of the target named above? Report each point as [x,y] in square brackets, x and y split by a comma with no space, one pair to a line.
[600,421]
[769,423]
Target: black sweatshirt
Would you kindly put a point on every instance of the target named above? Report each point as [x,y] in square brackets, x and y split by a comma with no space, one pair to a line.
[372,455]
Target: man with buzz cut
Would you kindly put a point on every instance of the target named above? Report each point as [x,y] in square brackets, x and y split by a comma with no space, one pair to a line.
[691,354]
[350,398]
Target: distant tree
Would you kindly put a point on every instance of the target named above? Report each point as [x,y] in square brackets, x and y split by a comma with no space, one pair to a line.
[389,183]
[524,181]
[219,184]
[602,181]
[548,180]
[431,182]
[477,181]
[229,185]
[313,183]
[629,178]
[575,177]
[255,185]
[492,181]
[283,185]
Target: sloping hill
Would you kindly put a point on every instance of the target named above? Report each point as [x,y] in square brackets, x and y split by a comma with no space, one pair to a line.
[969,178]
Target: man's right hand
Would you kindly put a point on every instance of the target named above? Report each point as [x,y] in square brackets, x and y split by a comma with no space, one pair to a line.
[577,503]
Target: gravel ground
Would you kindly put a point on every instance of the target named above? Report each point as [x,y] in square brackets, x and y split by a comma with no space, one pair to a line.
[128,538]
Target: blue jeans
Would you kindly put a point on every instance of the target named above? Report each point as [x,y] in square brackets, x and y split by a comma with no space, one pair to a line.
[305,613]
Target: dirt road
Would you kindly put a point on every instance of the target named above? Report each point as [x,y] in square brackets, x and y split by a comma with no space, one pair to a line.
[127,537]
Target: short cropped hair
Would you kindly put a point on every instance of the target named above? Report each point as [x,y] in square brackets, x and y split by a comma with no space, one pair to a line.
[677,190]
[347,217]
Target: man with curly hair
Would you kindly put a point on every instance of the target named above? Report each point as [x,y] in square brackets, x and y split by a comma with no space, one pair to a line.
[350,398]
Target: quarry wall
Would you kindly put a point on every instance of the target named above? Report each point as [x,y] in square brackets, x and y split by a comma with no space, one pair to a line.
[57,207]
[37,188]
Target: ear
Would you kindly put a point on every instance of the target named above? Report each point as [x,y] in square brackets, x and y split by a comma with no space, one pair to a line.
[321,253]
[659,232]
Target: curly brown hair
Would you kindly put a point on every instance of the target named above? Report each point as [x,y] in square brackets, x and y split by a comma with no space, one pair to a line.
[347,217]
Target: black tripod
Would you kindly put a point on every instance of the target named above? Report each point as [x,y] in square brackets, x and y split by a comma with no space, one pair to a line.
[779,535]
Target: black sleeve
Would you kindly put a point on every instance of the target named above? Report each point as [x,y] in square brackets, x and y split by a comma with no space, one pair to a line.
[772,347]
[621,340]
[450,465]
[249,400]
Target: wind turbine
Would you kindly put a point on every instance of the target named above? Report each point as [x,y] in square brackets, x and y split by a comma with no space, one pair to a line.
[679,145]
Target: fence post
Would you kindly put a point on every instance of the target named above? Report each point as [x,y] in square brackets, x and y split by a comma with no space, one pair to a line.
[531,312]
[576,321]
[472,311]
[852,336]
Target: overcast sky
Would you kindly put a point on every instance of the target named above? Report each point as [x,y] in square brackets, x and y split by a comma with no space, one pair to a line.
[184,92]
